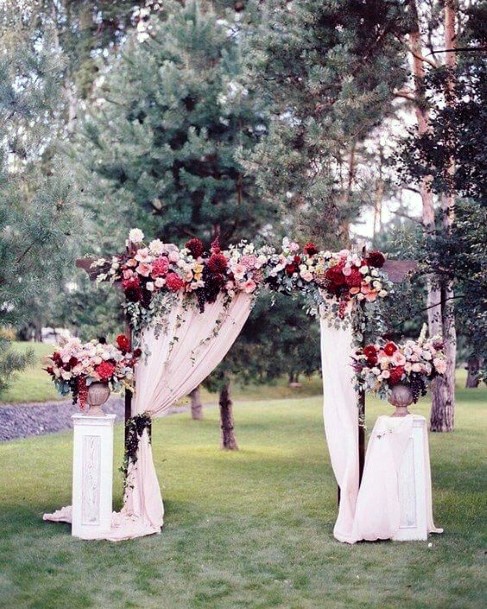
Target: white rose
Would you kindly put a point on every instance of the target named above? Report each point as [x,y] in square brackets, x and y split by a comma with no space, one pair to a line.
[136,235]
[364,270]
[160,282]
[383,293]
[376,371]
[374,273]
[150,286]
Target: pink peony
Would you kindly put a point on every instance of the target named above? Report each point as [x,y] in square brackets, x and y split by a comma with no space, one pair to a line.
[143,255]
[160,267]
[174,282]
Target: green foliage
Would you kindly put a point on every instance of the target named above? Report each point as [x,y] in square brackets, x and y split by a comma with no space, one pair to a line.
[251,529]
[328,71]
[163,138]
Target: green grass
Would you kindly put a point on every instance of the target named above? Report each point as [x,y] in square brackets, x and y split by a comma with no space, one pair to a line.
[246,530]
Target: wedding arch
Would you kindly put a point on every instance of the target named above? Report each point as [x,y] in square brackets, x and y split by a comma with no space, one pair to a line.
[186,307]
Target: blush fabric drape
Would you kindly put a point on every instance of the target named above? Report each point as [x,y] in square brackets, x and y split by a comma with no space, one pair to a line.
[177,356]
[377,514]
[372,511]
[340,414]
[180,357]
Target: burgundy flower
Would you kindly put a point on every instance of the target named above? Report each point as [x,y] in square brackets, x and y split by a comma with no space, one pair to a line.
[375,259]
[354,280]
[310,248]
[291,269]
[105,370]
[174,282]
[335,276]
[196,247]
[123,343]
[132,289]
[370,351]
[72,362]
[396,375]
[217,263]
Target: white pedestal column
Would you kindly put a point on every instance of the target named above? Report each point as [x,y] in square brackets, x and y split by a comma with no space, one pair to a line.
[92,475]
[412,481]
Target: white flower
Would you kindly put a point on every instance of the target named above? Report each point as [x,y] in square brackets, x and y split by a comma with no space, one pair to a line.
[385,374]
[376,371]
[440,365]
[360,296]
[383,293]
[374,273]
[364,270]
[150,286]
[160,282]
[416,367]
[136,235]
[156,247]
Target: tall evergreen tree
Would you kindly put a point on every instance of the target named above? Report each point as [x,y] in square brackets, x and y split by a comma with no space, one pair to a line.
[37,212]
[163,134]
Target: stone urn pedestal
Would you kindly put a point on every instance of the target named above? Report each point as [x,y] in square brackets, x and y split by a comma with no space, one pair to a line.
[401,397]
[98,394]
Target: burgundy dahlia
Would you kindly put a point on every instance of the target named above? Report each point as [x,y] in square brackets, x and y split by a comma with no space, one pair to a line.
[217,263]
[375,259]
[310,248]
[195,247]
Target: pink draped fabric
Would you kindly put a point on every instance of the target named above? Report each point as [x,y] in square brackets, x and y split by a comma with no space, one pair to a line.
[340,412]
[179,357]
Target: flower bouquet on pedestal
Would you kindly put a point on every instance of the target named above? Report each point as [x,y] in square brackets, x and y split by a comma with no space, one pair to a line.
[401,372]
[76,367]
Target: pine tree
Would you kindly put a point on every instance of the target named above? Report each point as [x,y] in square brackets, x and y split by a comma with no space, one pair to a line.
[36,211]
[165,129]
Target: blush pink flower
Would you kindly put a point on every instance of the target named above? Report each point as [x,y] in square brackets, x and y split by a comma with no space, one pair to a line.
[144,269]
[249,286]
[143,255]
[398,359]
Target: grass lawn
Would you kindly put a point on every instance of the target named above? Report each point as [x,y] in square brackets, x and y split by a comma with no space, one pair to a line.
[246,530]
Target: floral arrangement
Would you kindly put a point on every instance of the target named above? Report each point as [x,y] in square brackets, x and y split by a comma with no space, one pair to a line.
[382,365]
[342,276]
[75,366]
[147,272]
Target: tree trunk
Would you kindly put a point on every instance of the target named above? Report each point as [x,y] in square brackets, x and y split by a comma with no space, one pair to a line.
[473,369]
[228,439]
[443,393]
[441,318]
[196,405]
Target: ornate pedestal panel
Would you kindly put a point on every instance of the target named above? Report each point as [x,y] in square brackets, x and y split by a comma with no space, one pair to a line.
[413,480]
[92,475]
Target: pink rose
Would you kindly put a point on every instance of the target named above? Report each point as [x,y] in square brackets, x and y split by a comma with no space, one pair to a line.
[239,271]
[398,358]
